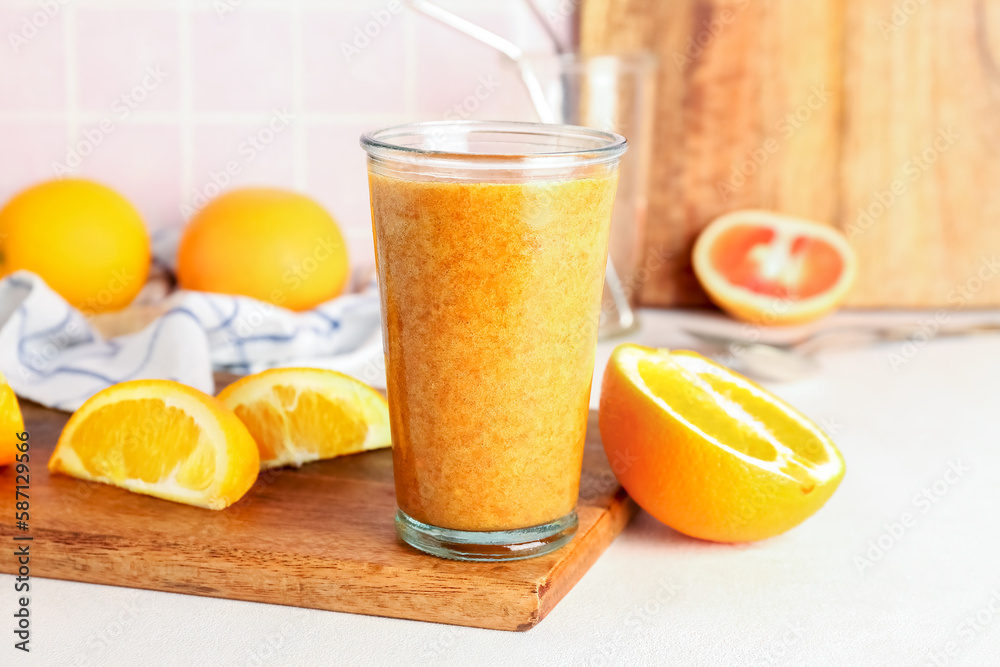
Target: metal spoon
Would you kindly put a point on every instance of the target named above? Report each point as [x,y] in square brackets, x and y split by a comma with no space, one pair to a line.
[794,360]
[509,49]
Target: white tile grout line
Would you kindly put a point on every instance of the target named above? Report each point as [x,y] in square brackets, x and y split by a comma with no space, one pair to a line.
[69,54]
[191,118]
[409,65]
[184,38]
[208,6]
[299,165]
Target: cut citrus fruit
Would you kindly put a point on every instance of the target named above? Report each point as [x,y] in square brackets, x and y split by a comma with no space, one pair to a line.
[767,268]
[708,452]
[160,438]
[298,415]
[11,422]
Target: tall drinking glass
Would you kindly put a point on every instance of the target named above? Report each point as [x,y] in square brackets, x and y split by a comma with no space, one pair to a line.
[490,242]
[614,93]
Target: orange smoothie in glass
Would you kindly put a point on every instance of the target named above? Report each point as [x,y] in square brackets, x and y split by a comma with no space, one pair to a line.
[490,301]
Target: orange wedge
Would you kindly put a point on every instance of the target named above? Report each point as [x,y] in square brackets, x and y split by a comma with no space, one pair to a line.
[298,415]
[160,438]
[766,268]
[708,452]
[11,422]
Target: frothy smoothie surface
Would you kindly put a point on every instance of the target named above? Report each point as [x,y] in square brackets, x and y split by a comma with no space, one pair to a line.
[490,299]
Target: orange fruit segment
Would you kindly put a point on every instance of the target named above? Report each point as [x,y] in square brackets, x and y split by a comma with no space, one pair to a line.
[11,422]
[160,438]
[708,452]
[298,415]
[767,268]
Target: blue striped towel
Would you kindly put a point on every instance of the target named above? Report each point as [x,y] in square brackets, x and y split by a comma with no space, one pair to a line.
[52,354]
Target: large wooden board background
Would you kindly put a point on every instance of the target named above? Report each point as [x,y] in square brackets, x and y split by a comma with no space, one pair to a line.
[732,70]
[321,536]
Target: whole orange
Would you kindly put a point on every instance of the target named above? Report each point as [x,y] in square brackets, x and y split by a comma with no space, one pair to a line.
[84,239]
[269,244]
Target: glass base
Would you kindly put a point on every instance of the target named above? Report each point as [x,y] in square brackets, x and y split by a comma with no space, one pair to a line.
[486,545]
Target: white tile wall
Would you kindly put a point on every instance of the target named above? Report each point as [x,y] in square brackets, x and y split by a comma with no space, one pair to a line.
[172,101]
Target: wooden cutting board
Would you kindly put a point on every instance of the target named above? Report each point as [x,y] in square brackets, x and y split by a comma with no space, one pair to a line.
[877,116]
[321,537]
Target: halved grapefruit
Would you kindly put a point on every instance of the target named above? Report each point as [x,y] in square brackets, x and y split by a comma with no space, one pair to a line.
[767,268]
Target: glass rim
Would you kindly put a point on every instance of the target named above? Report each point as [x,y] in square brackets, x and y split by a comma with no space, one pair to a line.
[606,145]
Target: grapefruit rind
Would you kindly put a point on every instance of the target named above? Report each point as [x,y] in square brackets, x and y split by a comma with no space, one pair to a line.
[750,306]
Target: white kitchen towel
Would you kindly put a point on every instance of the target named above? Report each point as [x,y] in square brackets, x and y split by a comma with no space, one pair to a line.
[52,354]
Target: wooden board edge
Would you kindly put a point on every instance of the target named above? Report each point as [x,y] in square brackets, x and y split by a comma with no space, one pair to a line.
[150,571]
[523,611]
[571,569]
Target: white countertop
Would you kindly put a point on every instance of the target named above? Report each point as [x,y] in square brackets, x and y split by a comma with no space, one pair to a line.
[930,425]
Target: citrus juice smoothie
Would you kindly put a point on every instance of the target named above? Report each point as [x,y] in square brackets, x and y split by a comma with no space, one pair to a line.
[490,300]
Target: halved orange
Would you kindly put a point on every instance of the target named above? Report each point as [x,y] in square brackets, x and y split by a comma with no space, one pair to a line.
[11,422]
[767,268]
[298,415]
[160,438]
[708,452]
